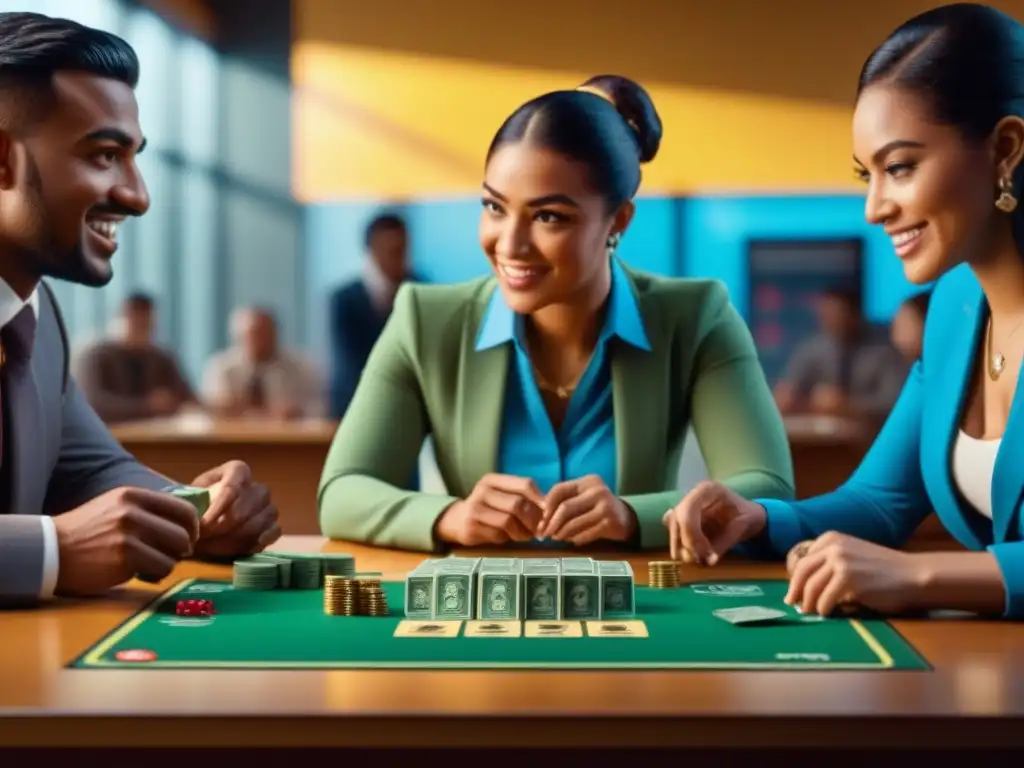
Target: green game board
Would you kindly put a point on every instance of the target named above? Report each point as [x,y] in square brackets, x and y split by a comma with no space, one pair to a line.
[288,629]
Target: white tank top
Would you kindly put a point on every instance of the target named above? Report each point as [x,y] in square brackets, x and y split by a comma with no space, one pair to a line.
[974,461]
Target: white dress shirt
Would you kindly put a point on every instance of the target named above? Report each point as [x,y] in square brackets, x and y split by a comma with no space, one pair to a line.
[10,305]
[381,289]
[291,378]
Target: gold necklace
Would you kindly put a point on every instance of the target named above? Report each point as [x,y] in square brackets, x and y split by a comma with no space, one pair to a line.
[561,391]
[996,360]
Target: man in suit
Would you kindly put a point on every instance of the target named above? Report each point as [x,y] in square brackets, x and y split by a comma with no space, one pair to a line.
[260,377]
[78,514]
[359,309]
[130,377]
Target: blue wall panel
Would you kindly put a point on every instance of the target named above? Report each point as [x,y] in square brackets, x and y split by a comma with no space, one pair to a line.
[714,232]
[701,236]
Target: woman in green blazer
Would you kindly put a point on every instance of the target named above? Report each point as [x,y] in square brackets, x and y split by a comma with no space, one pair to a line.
[559,390]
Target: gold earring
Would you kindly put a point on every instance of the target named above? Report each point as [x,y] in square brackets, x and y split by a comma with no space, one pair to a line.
[1006,203]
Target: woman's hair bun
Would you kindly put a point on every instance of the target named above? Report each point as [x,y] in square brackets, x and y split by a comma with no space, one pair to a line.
[636,107]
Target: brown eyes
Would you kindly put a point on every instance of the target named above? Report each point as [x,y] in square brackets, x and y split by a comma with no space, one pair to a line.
[895,170]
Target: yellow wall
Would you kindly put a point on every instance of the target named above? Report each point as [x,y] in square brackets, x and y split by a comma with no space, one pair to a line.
[755,95]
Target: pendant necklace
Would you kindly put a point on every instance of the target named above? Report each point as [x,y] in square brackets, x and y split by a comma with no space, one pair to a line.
[561,391]
[996,359]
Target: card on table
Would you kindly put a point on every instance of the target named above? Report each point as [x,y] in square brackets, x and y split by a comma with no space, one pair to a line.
[749,614]
[408,628]
[554,629]
[617,629]
[728,590]
[493,629]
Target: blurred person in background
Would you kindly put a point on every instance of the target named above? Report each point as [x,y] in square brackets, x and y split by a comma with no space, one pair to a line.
[907,331]
[129,377]
[359,309]
[848,369]
[260,378]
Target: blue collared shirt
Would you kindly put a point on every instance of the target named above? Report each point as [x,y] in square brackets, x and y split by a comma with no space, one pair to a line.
[529,446]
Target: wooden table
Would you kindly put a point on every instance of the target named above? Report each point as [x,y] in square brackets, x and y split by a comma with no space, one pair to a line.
[974,696]
[287,456]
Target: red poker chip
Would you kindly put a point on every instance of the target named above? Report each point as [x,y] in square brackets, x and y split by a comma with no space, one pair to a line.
[135,654]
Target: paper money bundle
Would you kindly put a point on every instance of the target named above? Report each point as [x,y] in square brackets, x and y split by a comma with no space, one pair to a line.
[512,588]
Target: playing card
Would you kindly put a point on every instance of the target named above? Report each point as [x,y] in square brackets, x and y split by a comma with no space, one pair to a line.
[728,590]
[554,629]
[616,629]
[492,629]
[748,614]
[408,628]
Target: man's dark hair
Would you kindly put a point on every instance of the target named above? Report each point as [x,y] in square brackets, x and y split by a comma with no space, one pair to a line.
[383,223]
[139,300]
[34,47]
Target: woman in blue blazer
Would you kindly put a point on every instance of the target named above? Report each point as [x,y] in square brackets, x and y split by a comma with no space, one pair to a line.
[938,139]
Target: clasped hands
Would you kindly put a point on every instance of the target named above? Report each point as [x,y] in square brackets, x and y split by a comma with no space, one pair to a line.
[828,573]
[505,508]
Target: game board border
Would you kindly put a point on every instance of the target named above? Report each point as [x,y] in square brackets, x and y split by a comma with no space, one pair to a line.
[92,657]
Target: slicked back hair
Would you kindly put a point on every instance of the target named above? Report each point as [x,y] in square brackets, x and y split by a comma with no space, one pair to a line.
[34,47]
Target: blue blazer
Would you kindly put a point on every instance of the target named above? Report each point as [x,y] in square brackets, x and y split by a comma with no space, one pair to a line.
[907,473]
[354,326]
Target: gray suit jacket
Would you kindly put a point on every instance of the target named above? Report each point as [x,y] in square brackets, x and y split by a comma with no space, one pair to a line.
[68,459]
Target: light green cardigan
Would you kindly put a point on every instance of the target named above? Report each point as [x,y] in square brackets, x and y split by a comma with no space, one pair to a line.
[424,377]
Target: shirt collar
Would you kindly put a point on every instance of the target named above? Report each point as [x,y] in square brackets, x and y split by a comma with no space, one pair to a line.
[382,290]
[11,303]
[502,325]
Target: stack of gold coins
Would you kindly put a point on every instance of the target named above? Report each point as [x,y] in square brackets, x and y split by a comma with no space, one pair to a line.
[663,574]
[341,595]
[365,585]
[372,600]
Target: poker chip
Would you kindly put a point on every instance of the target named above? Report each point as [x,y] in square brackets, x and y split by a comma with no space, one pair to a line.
[135,654]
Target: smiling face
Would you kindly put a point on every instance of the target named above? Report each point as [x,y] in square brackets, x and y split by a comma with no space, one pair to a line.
[932,191]
[71,179]
[545,229]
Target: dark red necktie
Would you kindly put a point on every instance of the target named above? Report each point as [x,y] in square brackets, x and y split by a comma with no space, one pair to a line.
[17,337]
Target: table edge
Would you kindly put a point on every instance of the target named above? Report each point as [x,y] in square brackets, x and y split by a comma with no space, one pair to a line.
[54,728]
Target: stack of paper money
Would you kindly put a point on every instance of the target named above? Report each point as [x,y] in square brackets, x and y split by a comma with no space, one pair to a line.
[502,589]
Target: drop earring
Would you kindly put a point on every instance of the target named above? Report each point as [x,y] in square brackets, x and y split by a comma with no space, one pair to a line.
[1006,203]
[613,242]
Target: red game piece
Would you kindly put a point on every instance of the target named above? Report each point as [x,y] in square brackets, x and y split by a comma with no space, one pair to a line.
[195,608]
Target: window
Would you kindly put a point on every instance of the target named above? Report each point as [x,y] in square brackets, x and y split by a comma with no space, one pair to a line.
[155,43]
[196,266]
[102,14]
[153,238]
[199,108]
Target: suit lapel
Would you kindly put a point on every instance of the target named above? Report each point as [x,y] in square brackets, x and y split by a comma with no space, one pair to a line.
[640,382]
[484,377]
[947,385]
